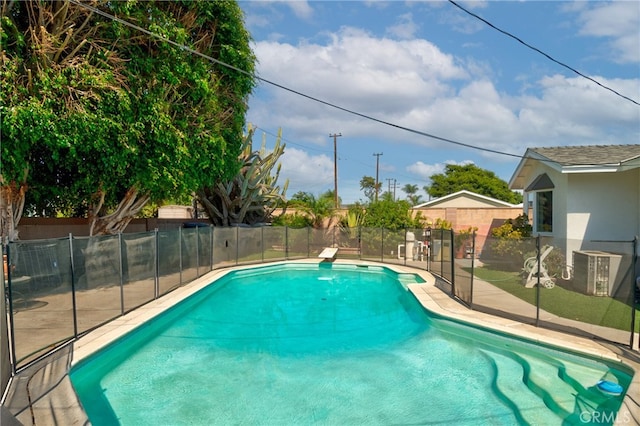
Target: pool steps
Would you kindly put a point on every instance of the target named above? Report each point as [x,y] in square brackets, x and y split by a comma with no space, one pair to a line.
[545,378]
[516,394]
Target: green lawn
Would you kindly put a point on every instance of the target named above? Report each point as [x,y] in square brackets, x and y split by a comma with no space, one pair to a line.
[604,311]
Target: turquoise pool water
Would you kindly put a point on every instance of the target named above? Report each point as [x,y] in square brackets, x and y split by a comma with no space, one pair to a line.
[332,344]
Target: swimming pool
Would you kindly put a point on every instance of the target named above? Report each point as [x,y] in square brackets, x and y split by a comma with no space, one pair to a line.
[331,344]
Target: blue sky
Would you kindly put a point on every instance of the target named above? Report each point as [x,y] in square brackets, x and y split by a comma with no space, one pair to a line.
[431,67]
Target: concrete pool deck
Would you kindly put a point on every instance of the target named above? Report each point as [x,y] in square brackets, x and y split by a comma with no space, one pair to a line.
[42,394]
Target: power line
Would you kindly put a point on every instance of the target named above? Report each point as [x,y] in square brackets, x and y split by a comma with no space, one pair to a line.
[280,86]
[341,158]
[289,141]
[508,34]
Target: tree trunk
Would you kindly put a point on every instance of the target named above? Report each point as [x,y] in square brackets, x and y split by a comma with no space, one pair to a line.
[11,207]
[117,221]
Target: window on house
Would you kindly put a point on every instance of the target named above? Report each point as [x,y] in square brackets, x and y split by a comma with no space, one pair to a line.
[544,211]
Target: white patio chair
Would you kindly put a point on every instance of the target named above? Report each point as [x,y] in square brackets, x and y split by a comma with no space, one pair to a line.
[531,269]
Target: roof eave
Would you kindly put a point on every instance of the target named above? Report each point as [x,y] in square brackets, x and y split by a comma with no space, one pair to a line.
[529,155]
[468,193]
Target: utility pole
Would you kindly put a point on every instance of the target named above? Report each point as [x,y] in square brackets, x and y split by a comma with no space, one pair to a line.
[389,182]
[394,189]
[377,168]
[335,136]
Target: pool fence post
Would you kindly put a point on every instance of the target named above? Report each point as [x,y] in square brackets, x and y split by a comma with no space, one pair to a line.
[197,251]
[180,251]
[381,244]
[156,281]
[308,241]
[440,250]
[452,256]
[73,287]
[286,242]
[262,242]
[12,331]
[211,229]
[473,260]
[121,273]
[635,290]
[538,281]
[405,248]
[430,250]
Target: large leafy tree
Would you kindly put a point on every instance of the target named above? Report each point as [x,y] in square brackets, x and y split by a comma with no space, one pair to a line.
[471,178]
[100,117]
[390,214]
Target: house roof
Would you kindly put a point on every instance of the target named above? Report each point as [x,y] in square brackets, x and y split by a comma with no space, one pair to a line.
[578,159]
[472,200]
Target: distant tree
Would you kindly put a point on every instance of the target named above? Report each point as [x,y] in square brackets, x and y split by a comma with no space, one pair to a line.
[368,185]
[426,189]
[300,198]
[293,220]
[317,209]
[386,195]
[389,214]
[471,178]
[412,196]
[330,195]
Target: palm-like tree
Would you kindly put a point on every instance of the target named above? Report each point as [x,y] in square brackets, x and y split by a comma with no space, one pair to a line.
[319,209]
[412,196]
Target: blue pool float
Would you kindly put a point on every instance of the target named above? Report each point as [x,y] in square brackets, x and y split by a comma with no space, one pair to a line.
[610,388]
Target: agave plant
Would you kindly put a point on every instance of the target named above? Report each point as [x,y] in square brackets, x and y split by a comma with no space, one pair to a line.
[253,194]
[350,224]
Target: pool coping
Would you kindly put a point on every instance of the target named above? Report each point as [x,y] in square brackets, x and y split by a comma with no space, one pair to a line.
[52,399]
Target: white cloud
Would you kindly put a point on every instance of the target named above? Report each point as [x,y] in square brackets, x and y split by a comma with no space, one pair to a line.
[618,21]
[577,111]
[416,85]
[459,20]
[405,29]
[300,8]
[306,172]
[425,171]
[357,71]
[413,84]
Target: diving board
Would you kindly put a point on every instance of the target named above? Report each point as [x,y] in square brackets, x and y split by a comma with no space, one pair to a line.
[329,253]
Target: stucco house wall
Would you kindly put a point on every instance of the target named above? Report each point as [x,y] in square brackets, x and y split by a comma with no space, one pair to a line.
[603,206]
[595,204]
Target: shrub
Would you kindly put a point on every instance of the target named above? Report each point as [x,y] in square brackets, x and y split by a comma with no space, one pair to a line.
[295,220]
[512,241]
